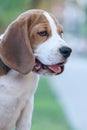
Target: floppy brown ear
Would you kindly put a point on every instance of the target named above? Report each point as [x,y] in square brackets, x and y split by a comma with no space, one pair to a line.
[15,48]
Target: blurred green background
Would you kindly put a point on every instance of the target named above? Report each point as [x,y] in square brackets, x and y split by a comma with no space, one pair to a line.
[48,113]
[10,9]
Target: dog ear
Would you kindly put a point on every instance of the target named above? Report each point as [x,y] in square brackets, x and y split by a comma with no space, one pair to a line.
[15,48]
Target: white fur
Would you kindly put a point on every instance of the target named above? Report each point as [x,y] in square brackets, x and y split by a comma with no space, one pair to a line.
[16,100]
[1,36]
[48,52]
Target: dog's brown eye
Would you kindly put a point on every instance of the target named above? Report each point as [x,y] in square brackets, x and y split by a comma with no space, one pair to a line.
[43,33]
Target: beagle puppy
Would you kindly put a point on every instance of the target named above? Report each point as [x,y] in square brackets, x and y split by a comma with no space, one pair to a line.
[31,45]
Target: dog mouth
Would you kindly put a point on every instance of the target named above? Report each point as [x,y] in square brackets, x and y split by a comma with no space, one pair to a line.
[54,69]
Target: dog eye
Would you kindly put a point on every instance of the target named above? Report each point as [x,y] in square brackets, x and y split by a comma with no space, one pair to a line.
[43,33]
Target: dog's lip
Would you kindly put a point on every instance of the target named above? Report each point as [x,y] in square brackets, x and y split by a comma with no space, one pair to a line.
[55,68]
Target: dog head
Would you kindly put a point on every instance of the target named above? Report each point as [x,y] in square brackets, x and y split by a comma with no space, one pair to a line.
[34,42]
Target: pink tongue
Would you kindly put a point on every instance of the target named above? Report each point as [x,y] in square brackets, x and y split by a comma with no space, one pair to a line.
[55,68]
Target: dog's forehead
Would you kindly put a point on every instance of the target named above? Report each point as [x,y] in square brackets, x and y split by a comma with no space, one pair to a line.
[41,16]
[51,21]
[54,23]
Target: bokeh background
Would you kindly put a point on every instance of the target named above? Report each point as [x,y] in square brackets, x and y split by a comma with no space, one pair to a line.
[60,101]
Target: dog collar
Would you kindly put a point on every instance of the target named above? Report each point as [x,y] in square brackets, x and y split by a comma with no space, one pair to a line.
[4,69]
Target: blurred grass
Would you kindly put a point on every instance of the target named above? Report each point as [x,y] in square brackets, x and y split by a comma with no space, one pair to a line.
[47,112]
[10,9]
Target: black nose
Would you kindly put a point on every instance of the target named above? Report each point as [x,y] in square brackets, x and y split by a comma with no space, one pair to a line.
[65,51]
